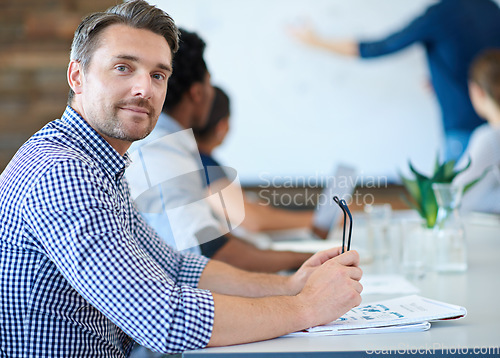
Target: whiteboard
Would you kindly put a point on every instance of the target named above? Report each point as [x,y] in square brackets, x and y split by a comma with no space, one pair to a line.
[298,111]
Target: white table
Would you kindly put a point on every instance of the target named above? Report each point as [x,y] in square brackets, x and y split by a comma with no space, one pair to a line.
[479,332]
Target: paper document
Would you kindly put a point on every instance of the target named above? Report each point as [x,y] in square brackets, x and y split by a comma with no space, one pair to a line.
[409,313]
[415,327]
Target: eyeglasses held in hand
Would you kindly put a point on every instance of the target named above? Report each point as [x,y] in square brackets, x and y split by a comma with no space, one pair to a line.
[345,209]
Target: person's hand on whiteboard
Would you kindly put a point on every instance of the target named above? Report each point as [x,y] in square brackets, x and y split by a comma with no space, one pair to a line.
[306,34]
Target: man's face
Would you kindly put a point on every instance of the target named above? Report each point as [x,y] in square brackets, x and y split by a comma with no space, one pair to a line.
[123,89]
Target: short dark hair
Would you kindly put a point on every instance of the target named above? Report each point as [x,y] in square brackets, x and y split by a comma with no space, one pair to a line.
[136,13]
[485,72]
[188,68]
[220,110]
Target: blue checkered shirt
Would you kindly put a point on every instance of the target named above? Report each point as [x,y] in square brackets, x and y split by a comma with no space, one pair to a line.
[81,274]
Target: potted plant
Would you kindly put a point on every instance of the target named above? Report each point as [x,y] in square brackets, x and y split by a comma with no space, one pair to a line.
[419,189]
[440,243]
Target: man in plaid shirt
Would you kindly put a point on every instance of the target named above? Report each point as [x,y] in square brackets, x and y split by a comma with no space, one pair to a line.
[81,274]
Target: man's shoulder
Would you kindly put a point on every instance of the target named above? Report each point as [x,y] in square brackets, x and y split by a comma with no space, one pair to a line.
[54,146]
[45,168]
[162,157]
[161,141]
[46,150]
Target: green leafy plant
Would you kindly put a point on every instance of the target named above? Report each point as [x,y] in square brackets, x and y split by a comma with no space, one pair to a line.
[420,194]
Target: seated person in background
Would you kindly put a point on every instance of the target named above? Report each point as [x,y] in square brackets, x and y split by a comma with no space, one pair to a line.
[180,212]
[258,217]
[484,146]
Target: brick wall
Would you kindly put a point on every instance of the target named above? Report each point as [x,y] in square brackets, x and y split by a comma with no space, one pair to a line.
[35,39]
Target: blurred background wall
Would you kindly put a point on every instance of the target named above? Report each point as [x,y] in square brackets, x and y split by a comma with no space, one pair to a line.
[35,39]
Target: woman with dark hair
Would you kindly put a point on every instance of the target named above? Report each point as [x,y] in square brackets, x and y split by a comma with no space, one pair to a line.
[258,216]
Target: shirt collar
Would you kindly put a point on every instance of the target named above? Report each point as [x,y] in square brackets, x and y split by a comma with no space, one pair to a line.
[185,137]
[96,145]
[167,123]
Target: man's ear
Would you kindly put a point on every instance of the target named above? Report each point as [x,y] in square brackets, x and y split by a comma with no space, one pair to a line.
[476,91]
[222,127]
[196,92]
[479,99]
[75,76]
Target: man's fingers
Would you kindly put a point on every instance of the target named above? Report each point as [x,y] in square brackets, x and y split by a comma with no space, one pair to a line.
[325,255]
[355,273]
[349,258]
[358,286]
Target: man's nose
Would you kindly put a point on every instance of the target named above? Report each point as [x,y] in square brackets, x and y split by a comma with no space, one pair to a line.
[142,86]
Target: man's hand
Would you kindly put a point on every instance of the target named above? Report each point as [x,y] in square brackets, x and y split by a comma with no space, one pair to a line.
[329,287]
[297,281]
[332,288]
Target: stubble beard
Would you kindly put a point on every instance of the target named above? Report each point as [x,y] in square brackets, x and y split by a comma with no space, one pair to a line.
[114,127]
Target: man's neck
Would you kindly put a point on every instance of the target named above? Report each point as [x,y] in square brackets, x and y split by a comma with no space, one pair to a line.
[206,147]
[121,146]
[182,116]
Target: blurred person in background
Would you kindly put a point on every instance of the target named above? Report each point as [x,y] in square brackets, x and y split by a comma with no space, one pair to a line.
[452,33]
[258,216]
[484,146]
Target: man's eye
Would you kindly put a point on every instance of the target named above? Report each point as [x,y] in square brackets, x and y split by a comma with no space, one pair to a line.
[121,68]
[158,76]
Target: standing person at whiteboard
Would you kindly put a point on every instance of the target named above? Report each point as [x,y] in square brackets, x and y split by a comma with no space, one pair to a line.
[452,32]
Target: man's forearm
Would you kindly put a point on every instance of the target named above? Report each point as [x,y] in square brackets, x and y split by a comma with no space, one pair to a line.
[222,278]
[259,217]
[330,290]
[246,256]
[242,320]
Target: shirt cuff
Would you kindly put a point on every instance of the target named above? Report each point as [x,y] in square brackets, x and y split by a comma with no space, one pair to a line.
[364,50]
[198,320]
[192,267]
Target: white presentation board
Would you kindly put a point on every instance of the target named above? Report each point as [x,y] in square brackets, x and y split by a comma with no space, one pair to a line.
[298,111]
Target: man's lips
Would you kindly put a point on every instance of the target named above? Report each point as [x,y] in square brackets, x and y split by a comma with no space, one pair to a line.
[136,109]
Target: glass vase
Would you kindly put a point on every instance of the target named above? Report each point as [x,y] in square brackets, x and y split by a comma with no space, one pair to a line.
[449,246]
[417,254]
